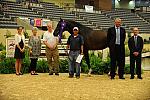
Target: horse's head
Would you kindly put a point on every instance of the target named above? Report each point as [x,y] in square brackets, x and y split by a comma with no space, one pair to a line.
[60,29]
[63,25]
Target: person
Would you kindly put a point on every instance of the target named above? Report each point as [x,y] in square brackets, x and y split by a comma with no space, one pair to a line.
[19,49]
[115,39]
[135,44]
[34,49]
[52,53]
[75,43]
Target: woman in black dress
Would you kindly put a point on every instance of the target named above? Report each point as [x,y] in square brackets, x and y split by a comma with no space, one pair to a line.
[19,49]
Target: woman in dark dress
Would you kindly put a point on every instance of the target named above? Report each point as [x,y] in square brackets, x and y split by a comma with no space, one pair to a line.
[19,49]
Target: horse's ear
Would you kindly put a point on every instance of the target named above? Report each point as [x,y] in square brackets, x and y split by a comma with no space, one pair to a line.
[61,19]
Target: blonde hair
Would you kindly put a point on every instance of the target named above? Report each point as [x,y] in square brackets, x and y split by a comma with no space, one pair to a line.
[117,19]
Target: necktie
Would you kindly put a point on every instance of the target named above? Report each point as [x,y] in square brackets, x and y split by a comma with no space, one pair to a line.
[117,36]
[135,40]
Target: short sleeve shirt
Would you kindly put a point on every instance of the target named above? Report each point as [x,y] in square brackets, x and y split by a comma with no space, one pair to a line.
[75,42]
[50,38]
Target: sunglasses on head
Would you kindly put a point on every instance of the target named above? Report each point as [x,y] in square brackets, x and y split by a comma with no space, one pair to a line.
[75,30]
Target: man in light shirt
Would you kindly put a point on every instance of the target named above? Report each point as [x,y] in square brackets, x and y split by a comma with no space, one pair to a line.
[51,50]
[115,39]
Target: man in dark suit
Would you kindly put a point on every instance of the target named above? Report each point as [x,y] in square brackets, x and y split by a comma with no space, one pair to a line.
[135,44]
[115,39]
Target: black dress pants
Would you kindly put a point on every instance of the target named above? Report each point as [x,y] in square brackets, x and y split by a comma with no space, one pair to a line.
[117,56]
[33,64]
[137,60]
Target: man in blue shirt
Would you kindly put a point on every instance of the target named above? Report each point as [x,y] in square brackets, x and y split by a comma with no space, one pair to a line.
[75,44]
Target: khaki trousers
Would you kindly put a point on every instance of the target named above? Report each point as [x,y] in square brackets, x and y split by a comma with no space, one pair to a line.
[53,60]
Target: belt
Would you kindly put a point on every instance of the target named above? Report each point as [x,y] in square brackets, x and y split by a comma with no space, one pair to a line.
[117,45]
[74,50]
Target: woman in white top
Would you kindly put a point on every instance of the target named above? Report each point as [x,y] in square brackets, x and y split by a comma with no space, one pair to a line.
[19,49]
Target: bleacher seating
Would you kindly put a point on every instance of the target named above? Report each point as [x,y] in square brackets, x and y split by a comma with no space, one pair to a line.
[145,15]
[54,12]
[129,19]
[7,22]
[69,16]
[17,10]
[101,21]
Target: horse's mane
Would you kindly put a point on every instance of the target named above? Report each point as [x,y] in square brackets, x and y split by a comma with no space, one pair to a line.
[77,24]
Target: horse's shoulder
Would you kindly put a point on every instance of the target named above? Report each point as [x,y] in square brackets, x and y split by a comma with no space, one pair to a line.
[80,36]
[112,27]
[70,36]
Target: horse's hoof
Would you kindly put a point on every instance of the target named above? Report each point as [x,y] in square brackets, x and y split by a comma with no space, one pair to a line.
[89,75]
[108,74]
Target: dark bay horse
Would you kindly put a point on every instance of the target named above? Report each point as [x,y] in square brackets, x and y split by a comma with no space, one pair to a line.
[93,39]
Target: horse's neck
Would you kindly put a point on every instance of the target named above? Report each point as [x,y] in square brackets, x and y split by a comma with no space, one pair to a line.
[82,29]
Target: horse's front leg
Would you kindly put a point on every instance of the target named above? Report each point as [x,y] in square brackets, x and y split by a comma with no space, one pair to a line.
[86,55]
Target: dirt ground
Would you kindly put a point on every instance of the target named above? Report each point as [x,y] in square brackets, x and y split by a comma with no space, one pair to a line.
[97,87]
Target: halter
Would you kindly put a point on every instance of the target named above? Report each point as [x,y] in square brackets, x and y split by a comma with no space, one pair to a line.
[62,26]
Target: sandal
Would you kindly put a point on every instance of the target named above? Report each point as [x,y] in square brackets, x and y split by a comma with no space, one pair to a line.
[32,73]
[17,74]
[20,73]
[35,74]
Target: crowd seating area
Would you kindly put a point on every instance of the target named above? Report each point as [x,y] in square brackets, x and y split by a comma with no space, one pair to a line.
[97,21]
[54,12]
[101,21]
[129,19]
[6,22]
[145,15]
[18,10]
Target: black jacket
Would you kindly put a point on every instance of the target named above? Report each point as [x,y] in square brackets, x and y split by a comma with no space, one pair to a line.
[131,45]
[111,37]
